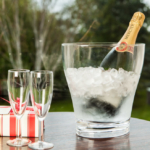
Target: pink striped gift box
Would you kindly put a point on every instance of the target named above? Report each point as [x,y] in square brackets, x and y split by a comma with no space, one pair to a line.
[8,123]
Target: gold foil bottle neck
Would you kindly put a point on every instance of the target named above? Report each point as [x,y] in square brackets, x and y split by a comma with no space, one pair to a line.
[138,18]
[126,44]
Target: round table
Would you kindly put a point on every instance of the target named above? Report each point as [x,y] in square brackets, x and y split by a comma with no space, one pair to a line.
[60,130]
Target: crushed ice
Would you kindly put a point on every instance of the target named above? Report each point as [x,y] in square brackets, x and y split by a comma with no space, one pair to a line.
[89,81]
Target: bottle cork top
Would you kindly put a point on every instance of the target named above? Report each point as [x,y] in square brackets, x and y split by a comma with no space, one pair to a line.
[138,18]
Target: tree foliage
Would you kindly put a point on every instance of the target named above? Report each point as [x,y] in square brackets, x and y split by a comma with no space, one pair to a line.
[31,36]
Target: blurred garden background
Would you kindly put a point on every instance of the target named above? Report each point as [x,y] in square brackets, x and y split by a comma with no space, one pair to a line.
[32,31]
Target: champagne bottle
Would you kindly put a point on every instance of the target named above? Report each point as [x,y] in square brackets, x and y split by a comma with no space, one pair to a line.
[121,56]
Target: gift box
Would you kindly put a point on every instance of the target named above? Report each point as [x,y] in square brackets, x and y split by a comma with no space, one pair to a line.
[29,123]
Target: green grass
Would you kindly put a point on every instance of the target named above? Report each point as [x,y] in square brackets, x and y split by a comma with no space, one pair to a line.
[141,109]
[142,112]
[61,105]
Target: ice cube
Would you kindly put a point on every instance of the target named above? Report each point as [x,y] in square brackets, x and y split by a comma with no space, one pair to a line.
[100,82]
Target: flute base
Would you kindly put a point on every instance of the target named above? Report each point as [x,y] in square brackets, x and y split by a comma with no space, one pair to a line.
[40,145]
[18,142]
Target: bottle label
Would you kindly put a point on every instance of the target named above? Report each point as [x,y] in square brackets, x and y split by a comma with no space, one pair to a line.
[124,47]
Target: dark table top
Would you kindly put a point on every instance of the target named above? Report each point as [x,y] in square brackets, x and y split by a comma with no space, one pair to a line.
[60,130]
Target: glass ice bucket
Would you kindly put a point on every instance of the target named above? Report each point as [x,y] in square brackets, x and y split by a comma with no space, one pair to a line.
[102,83]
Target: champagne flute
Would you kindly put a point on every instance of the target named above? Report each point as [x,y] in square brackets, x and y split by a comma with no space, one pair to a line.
[41,96]
[18,91]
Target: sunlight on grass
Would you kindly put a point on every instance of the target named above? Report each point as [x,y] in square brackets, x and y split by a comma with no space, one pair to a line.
[61,105]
